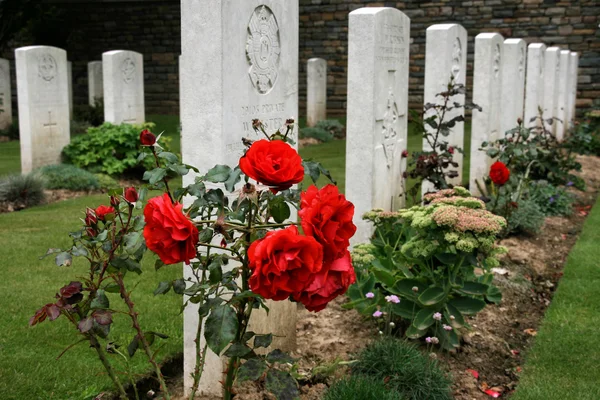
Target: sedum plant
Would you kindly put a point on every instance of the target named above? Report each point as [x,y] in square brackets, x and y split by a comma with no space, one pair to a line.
[418,275]
[239,244]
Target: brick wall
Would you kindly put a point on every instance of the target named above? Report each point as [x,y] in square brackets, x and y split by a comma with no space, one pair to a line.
[152,27]
[567,24]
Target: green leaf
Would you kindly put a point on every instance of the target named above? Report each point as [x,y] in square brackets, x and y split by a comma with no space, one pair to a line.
[458,321]
[234,178]
[133,346]
[279,356]
[206,235]
[158,264]
[282,385]
[474,288]
[179,169]
[251,370]
[63,259]
[155,175]
[384,276]
[100,301]
[179,286]
[279,209]
[311,169]
[170,157]
[424,319]
[468,305]
[414,333]
[163,287]
[432,295]
[221,327]
[237,350]
[112,288]
[404,287]
[493,295]
[217,174]
[448,339]
[406,309]
[263,340]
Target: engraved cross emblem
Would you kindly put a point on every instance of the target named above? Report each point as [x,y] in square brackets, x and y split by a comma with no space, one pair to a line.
[130,117]
[50,124]
[390,123]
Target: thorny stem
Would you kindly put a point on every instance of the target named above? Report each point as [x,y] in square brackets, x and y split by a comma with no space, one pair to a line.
[107,365]
[200,353]
[140,334]
[165,178]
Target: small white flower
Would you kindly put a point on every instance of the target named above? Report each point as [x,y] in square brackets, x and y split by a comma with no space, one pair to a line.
[437,316]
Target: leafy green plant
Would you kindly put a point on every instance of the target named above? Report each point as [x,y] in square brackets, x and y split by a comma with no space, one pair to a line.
[22,190]
[333,126]
[109,149]
[106,182]
[93,115]
[535,152]
[404,369]
[550,199]
[422,278]
[527,218]
[316,133]
[584,137]
[12,131]
[358,387]
[66,176]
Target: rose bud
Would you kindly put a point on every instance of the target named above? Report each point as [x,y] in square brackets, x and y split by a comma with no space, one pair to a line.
[519,121]
[451,150]
[114,201]
[404,153]
[147,138]
[91,232]
[223,243]
[130,194]
[90,217]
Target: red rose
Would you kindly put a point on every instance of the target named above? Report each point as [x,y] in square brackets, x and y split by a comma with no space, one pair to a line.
[283,262]
[105,213]
[130,194]
[451,150]
[404,153]
[147,138]
[90,217]
[168,232]
[326,215]
[332,281]
[273,163]
[499,174]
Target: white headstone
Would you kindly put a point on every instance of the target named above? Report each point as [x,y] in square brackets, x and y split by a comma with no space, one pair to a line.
[534,90]
[378,56]
[487,88]
[239,62]
[446,56]
[513,83]
[562,125]
[551,66]
[5,95]
[316,91]
[70,79]
[95,82]
[43,99]
[123,87]
[573,72]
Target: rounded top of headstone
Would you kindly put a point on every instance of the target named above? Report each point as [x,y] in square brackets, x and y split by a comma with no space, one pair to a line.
[565,52]
[553,49]
[515,41]
[489,36]
[316,60]
[121,52]
[378,10]
[537,46]
[444,27]
[40,49]
[95,63]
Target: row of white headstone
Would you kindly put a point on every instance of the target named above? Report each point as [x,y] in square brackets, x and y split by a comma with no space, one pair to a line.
[45,97]
[509,83]
[240,61]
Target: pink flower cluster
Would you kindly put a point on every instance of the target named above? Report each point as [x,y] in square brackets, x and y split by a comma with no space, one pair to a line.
[465,219]
[430,197]
[458,200]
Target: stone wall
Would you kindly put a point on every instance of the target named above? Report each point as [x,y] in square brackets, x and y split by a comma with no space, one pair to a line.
[567,24]
[152,27]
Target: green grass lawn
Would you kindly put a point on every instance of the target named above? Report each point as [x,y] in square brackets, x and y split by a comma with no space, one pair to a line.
[10,158]
[564,361]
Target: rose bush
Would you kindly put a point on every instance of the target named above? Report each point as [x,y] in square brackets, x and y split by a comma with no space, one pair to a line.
[231,222]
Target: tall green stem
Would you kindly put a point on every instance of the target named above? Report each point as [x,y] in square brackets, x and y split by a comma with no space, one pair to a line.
[108,366]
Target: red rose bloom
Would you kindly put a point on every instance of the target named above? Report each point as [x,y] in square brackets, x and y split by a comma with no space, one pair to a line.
[168,232]
[332,281]
[451,150]
[273,163]
[104,212]
[499,174]
[130,194]
[283,262]
[147,138]
[326,215]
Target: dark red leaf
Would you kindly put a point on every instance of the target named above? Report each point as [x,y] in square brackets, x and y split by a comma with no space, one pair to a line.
[85,325]
[53,311]
[102,317]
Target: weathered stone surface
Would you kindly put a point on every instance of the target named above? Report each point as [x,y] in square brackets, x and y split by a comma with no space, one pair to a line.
[572,96]
[239,62]
[562,125]
[123,80]
[5,95]
[316,91]
[43,99]
[534,91]
[378,57]
[70,84]
[487,89]
[95,82]
[513,83]
[551,67]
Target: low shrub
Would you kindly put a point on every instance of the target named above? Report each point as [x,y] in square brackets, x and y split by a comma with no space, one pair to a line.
[106,182]
[93,115]
[527,218]
[316,133]
[404,369]
[66,176]
[550,199]
[417,277]
[12,131]
[109,149]
[333,126]
[22,190]
[360,388]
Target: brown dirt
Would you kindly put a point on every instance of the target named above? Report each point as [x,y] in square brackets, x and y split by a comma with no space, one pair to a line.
[500,336]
